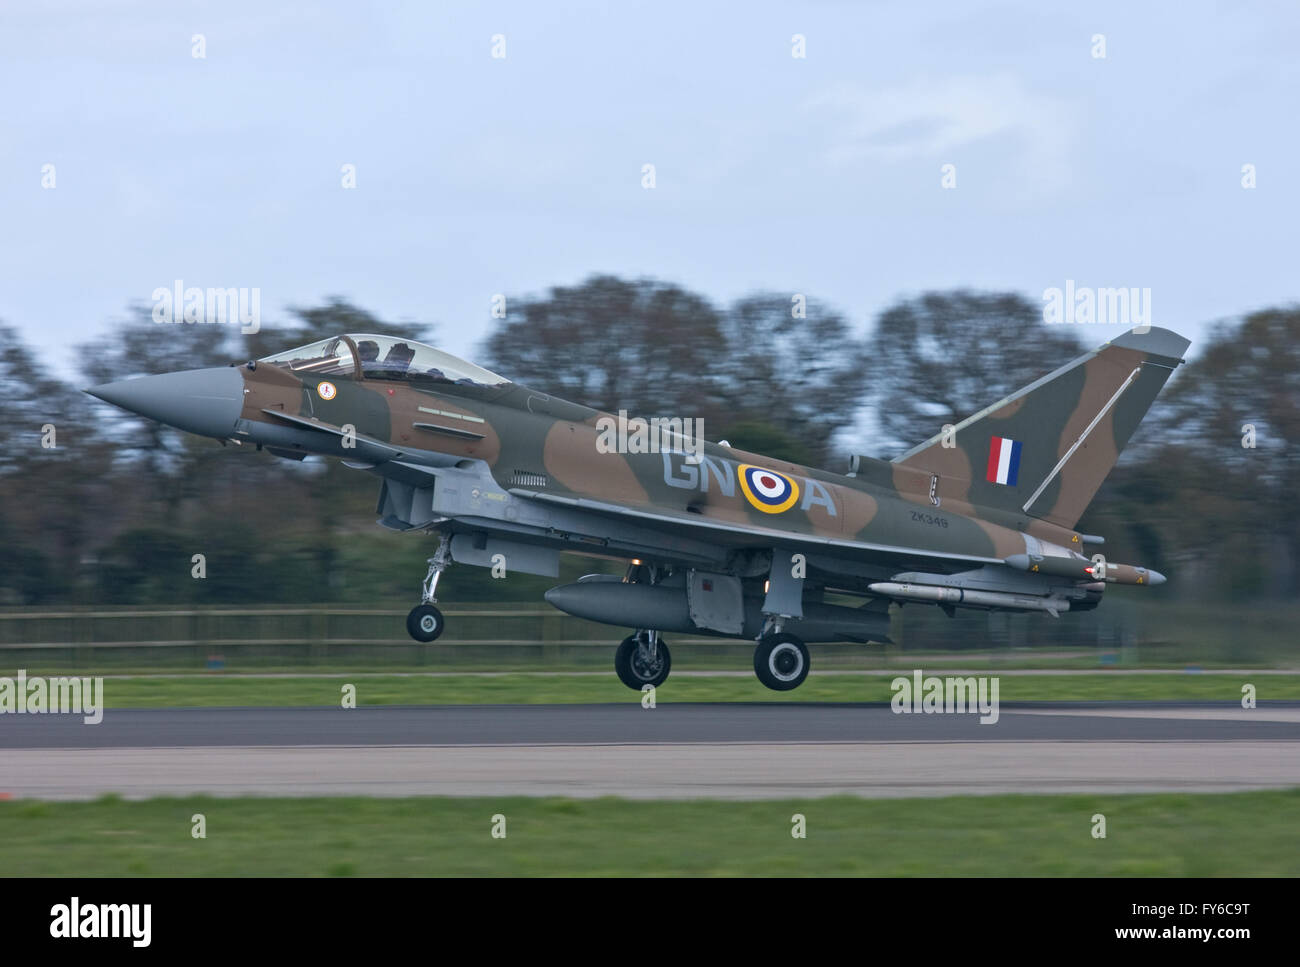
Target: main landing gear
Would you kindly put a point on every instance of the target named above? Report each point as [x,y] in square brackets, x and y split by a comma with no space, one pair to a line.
[642,659]
[781,661]
[425,622]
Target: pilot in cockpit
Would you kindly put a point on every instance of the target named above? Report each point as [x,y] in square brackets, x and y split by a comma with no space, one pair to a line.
[367,351]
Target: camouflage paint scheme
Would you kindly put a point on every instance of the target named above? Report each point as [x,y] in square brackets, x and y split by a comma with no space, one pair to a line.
[530,433]
[509,463]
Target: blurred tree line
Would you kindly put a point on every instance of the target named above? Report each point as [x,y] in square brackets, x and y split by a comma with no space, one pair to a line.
[114,512]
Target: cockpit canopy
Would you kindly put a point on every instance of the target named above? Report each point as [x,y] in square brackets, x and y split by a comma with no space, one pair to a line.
[366,356]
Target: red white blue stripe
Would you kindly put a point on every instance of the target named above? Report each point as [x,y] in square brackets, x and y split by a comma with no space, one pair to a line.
[1004,461]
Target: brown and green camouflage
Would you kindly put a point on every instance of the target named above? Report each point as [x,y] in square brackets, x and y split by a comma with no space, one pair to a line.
[498,467]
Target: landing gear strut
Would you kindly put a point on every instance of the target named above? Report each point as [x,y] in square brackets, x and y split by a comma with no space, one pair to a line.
[425,622]
[642,659]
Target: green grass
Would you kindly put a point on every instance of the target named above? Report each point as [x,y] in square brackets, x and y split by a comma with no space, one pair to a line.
[231,690]
[1237,834]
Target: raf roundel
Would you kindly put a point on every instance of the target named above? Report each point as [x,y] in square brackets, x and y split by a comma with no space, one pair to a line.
[769,491]
[326,390]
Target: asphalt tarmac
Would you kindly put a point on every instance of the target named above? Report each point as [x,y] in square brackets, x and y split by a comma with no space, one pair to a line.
[760,750]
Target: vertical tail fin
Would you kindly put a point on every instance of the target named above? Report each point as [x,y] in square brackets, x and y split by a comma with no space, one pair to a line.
[1045,449]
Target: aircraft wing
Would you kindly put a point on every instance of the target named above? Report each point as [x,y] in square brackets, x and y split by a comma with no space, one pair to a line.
[698,528]
[749,535]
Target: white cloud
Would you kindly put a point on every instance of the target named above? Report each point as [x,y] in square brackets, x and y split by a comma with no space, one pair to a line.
[932,119]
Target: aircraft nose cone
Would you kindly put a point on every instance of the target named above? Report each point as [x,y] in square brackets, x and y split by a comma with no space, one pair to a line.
[560,597]
[1156,578]
[203,401]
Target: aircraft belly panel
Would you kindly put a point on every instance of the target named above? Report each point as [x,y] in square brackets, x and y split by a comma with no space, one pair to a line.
[716,601]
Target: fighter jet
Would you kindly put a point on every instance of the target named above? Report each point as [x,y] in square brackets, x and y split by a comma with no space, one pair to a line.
[717,541]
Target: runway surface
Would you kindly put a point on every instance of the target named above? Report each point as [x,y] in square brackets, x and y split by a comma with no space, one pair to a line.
[760,750]
[628,723]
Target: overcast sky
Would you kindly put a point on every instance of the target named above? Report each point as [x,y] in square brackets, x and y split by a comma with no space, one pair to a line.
[477,175]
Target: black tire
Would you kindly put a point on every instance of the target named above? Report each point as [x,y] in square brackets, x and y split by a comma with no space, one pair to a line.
[632,671]
[425,623]
[781,662]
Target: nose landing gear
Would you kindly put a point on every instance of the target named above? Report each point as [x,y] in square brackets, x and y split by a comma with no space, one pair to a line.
[425,622]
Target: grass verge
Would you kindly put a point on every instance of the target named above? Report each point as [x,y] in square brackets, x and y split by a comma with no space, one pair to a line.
[1235,834]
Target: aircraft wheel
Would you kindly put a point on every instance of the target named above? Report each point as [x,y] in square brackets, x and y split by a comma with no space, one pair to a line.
[633,671]
[781,662]
[425,623]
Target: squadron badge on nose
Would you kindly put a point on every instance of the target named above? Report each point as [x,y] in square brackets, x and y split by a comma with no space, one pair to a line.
[326,390]
[769,491]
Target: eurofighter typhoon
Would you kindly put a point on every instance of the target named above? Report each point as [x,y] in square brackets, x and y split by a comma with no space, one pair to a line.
[717,541]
